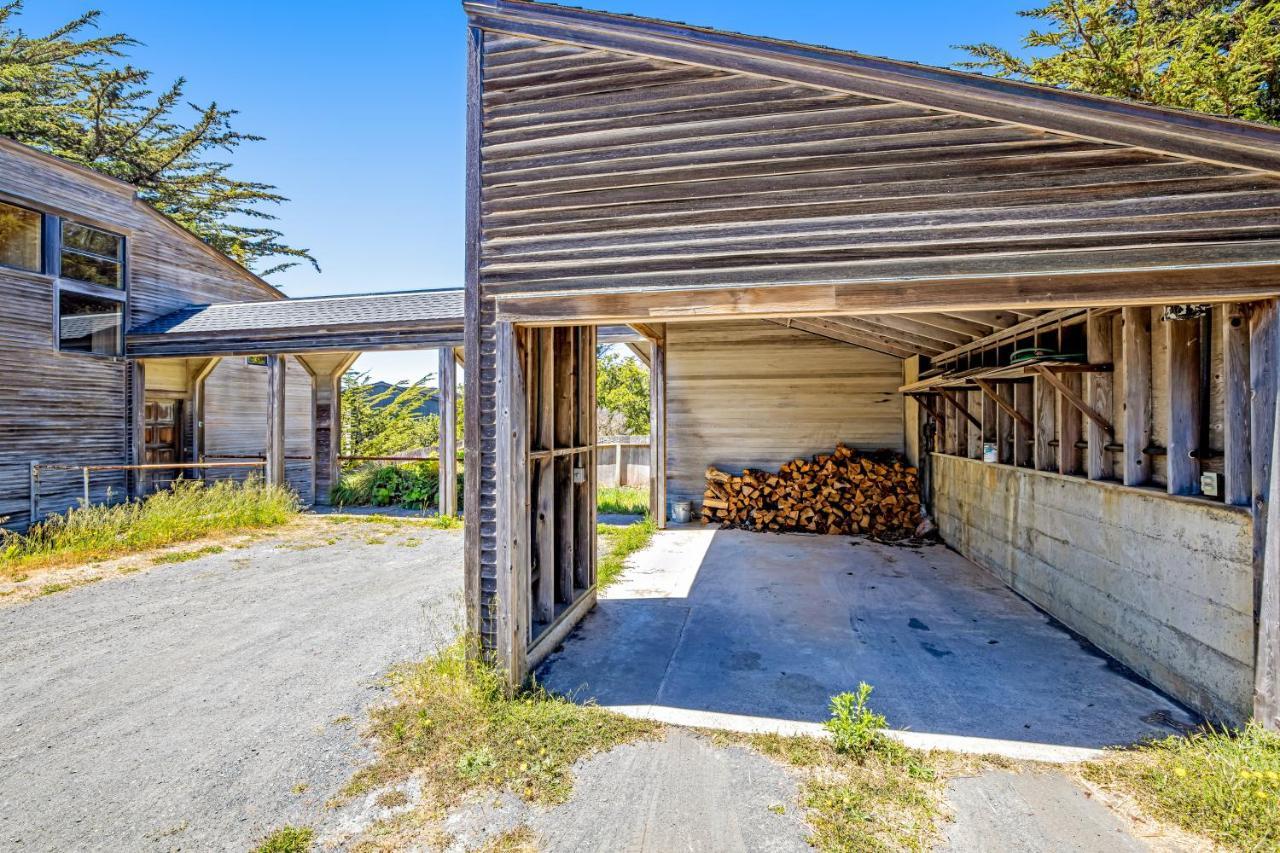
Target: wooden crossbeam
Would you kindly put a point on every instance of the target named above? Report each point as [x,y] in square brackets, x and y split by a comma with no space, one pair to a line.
[990,390]
[927,405]
[1075,399]
[961,408]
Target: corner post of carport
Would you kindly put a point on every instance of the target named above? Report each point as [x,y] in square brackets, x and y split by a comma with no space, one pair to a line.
[137,378]
[1265,343]
[448,500]
[657,337]
[274,473]
[326,420]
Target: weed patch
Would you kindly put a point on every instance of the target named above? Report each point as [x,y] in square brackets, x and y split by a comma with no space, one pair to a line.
[189,510]
[412,485]
[454,721]
[618,543]
[1222,785]
[186,556]
[287,839]
[622,500]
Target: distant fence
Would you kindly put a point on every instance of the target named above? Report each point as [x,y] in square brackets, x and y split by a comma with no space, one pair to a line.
[622,460]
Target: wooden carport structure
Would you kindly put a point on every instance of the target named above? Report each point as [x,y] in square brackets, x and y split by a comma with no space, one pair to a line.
[323,334]
[623,170]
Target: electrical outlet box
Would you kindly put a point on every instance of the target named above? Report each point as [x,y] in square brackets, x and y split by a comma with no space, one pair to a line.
[1211,484]
[579,475]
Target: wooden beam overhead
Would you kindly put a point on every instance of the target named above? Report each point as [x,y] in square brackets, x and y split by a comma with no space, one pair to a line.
[913,330]
[846,336]
[1005,406]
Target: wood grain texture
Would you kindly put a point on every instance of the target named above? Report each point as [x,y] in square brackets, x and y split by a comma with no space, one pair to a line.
[753,394]
[1238,487]
[1136,355]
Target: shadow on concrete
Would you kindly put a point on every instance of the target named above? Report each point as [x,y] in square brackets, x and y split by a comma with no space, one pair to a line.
[771,626]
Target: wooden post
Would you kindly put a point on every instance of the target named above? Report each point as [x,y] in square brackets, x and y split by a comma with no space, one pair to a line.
[1183,350]
[275,419]
[990,417]
[137,426]
[619,466]
[1238,488]
[658,429]
[1264,360]
[511,513]
[1068,425]
[565,408]
[326,428]
[584,492]
[199,402]
[448,501]
[1135,351]
[973,402]
[1004,423]
[1023,428]
[544,476]
[1264,338]
[1098,392]
[1046,424]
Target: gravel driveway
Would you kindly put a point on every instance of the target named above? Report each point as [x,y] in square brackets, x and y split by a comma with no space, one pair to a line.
[199,706]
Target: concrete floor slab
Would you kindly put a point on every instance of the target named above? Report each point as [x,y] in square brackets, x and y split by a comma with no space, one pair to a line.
[769,627]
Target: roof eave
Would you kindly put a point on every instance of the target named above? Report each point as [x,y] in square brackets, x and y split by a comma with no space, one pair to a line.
[1187,134]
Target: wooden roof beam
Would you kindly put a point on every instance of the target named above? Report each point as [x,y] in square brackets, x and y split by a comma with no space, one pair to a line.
[845,336]
[916,325]
[922,345]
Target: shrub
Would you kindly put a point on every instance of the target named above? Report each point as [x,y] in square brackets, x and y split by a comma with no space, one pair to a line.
[854,727]
[412,485]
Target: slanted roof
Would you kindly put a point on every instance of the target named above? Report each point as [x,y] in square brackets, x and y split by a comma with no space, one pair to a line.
[1182,132]
[401,320]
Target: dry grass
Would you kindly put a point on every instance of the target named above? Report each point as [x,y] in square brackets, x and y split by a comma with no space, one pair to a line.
[1224,786]
[189,511]
[454,726]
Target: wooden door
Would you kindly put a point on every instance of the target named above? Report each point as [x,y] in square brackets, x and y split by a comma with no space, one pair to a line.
[162,428]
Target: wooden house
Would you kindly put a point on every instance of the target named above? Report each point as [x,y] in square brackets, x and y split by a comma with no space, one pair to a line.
[859,246]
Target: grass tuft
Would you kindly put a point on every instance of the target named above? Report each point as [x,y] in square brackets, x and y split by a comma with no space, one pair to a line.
[455,724]
[189,510]
[186,556]
[1223,785]
[287,839]
[619,543]
[622,500]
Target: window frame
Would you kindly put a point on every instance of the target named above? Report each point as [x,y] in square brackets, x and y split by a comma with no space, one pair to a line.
[122,259]
[119,295]
[44,238]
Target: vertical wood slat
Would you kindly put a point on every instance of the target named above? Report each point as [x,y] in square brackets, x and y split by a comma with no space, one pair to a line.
[1136,355]
[199,401]
[1099,388]
[473,567]
[658,430]
[973,405]
[1004,425]
[1264,360]
[584,530]
[545,477]
[1045,402]
[1068,428]
[990,424]
[1237,486]
[511,509]
[592,472]
[1023,436]
[565,432]
[1183,351]
[137,440]
[448,499]
[276,375]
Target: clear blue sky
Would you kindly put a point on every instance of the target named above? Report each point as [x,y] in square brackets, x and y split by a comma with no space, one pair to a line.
[362,106]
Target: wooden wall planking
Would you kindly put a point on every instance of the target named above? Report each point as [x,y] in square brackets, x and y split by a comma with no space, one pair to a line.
[755,394]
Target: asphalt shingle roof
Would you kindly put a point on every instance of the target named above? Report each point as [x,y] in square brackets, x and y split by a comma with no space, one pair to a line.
[323,311]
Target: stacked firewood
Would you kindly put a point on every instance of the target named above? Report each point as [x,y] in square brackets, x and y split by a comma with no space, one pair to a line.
[844,492]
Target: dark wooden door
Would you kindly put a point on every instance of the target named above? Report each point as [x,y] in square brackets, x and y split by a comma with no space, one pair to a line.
[163,437]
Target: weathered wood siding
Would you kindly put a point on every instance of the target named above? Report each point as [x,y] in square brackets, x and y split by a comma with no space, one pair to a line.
[236,419]
[71,408]
[751,394]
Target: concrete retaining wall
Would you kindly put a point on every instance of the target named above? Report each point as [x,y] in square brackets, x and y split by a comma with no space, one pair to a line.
[1163,584]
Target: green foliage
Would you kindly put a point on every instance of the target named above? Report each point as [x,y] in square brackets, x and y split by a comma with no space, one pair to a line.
[622,386]
[620,543]
[1215,56]
[1224,785]
[457,726]
[854,728]
[622,500]
[385,421]
[69,92]
[412,485]
[189,510]
[287,839]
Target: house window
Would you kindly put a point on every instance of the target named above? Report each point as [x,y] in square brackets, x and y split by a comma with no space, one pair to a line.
[92,255]
[90,324]
[20,245]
